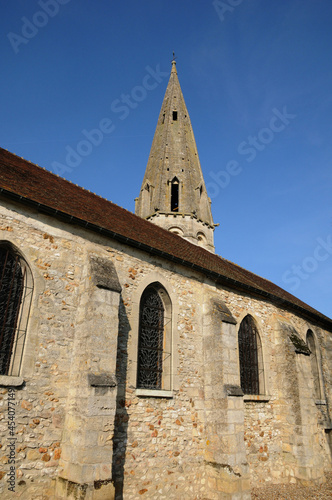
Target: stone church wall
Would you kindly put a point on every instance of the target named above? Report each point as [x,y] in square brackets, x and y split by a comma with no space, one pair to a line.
[79,420]
[41,401]
[285,432]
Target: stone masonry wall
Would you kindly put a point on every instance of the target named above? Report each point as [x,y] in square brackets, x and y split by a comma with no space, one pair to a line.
[285,432]
[160,446]
[159,443]
[41,401]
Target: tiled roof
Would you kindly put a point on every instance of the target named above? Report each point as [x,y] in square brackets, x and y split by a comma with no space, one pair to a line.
[29,182]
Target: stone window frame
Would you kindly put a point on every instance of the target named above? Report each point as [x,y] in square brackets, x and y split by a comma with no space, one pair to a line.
[154,326]
[175,194]
[322,399]
[201,238]
[176,230]
[21,358]
[263,395]
[159,280]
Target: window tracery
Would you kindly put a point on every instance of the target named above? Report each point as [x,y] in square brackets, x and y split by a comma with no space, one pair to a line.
[250,356]
[153,357]
[14,294]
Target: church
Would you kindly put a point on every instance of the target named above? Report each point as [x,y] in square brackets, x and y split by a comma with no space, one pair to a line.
[135,362]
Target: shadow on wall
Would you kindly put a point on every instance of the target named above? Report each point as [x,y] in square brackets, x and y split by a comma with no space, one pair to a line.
[121,415]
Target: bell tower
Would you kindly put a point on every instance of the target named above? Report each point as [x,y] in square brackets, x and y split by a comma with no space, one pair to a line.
[173,193]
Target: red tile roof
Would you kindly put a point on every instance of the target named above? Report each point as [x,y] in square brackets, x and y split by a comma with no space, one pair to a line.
[30,183]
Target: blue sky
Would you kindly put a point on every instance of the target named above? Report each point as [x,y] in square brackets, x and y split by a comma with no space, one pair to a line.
[256,77]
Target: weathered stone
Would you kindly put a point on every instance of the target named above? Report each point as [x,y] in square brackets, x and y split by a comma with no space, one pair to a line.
[33,455]
[26,405]
[104,274]
[101,380]
[81,423]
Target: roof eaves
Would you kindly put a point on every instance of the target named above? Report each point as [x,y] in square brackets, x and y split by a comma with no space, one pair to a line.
[215,276]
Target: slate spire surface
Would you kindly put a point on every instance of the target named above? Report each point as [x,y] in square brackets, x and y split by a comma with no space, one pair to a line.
[173,193]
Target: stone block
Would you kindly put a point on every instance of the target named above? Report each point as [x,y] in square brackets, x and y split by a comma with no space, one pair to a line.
[104,492]
[226,485]
[235,417]
[104,274]
[34,455]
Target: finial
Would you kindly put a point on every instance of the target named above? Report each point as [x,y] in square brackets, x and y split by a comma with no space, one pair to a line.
[174,62]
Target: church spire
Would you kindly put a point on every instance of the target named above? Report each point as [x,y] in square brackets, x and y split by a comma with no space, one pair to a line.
[173,193]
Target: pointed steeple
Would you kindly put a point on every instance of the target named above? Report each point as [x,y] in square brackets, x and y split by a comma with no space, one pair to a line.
[173,193]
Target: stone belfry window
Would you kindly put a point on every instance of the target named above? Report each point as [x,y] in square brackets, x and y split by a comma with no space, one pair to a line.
[151,340]
[250,356]
[175,195]
[13,293]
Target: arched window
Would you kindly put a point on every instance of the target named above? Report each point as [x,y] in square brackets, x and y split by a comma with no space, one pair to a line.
[154,342]
[15,291]
[314,364]
[176,230]
[250,354]
[201,238]
[175,195]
